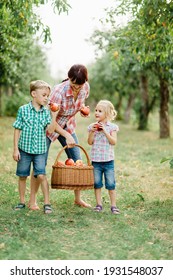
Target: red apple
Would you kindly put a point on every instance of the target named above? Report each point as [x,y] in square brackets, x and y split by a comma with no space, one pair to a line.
[97,125]
[54,107]
[69,161]
[79,162]
[85,110]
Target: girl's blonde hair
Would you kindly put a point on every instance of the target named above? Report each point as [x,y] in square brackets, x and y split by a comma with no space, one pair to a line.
[38,84]
[109,109]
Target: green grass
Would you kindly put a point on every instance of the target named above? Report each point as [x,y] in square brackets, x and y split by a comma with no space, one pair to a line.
[144,195]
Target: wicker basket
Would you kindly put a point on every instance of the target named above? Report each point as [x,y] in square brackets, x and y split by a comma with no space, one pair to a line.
[72,177]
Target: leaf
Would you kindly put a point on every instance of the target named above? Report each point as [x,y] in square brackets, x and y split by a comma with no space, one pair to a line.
[171,163]
[141,196]
[164,159]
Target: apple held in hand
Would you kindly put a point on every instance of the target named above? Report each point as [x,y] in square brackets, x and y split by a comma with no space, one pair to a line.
[69,161]
[54,107]
[85,110]
[98,127]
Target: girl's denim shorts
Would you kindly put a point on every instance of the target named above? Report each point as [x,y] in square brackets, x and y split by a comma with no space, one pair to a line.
[106,169]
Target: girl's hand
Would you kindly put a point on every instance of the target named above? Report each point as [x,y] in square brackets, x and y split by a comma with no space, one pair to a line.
[102,127]
[99,126]
[94,127]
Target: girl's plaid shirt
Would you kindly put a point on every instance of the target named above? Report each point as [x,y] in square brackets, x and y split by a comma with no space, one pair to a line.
[102,150]
[62,94]
[33,125]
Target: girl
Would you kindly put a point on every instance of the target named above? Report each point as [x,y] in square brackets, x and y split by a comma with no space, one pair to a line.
[103,136]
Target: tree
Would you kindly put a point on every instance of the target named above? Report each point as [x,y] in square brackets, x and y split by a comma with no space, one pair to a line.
[18,24]
[151,39]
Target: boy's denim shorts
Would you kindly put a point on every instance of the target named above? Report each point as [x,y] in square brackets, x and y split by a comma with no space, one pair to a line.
[106,169]
[24,164]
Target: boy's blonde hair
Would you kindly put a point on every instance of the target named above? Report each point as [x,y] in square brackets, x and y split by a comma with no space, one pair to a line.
[109,109]
[38,84]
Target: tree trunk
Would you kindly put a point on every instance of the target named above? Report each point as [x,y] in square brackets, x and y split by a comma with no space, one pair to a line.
[118,108]
[164,109]
[9,91]
[130,103]
[144,109]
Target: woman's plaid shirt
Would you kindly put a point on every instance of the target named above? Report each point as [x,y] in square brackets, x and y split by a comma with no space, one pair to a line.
[62,94]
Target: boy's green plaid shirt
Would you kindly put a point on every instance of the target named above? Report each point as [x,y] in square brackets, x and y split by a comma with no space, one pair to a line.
[33,125]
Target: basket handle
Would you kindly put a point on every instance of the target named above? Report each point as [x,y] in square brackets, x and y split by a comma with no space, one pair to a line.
[87,157]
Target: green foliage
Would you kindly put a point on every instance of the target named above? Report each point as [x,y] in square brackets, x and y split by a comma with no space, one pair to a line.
[168,159]
[12,104]
[61,5]
[151,42]
[144,47]
[32,65]
[18,22]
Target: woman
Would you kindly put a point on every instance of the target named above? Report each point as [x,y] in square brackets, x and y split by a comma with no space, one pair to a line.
[70,95]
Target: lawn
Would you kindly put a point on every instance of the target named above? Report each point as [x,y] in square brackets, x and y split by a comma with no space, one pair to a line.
[143,230]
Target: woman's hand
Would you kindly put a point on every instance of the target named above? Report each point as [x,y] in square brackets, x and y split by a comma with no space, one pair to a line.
[85,111]
[70,141]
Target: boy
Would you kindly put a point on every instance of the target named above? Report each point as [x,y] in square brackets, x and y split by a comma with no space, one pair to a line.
[30,141]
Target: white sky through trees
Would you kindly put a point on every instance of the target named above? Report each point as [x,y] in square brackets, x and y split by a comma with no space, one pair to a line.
[69,33]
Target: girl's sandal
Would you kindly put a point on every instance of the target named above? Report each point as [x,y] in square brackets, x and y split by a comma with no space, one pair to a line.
[115,210]
[98,208]
[20,206]
[47,209]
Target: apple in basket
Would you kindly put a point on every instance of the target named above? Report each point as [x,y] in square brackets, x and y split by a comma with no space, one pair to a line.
[69,161]
[79,162]
[54,107]
[85,110]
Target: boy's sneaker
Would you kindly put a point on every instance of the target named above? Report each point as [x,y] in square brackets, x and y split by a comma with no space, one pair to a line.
[20,206]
